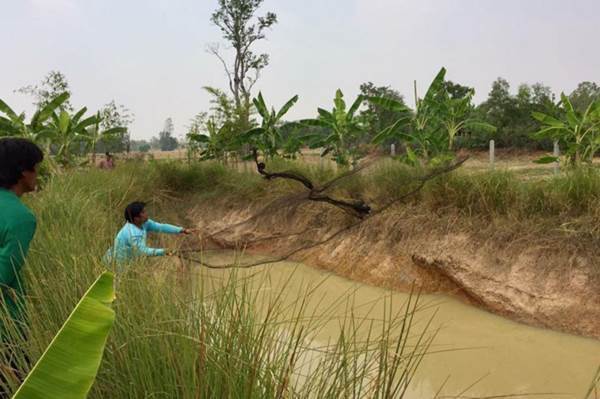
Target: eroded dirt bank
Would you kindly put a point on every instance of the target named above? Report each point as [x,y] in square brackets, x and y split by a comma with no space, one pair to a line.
[526,278]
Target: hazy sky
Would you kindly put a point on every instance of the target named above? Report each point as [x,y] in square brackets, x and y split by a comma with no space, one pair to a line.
[150,54]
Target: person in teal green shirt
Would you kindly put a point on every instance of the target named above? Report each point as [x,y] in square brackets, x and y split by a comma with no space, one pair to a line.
[130,243]
[19,160]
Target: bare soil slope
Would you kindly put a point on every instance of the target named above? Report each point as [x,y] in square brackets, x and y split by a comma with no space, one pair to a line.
[500,268]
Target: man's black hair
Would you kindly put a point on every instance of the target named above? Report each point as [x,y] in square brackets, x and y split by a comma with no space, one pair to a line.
[17,155]
[133,210]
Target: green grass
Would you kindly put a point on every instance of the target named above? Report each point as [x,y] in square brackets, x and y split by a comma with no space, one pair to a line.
[174,337]
[573,194]
[561,206]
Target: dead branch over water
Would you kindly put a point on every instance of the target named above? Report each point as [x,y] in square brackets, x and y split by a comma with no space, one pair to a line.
[361,211]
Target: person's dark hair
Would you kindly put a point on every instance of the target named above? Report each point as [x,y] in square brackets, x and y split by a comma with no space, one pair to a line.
[17,155]
[133,210]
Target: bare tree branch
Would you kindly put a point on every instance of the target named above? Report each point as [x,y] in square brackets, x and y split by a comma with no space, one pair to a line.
[298,198]
[214,50]
[356,208]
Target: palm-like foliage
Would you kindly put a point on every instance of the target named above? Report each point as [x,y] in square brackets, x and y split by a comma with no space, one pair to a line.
[345,130]
[457,115]
[267,138]
[431,129]
[12,124]
[578,132]
[56,130]
[212,145]
[421,130]
[216,135]
[69,134]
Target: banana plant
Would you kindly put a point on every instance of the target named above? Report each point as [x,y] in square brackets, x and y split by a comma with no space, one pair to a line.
[13,124]
[431,129]
[345,130]
[212,145]
[456,115]
[65,132]
[420,130]
[579,133]
[267,138]
[68,367]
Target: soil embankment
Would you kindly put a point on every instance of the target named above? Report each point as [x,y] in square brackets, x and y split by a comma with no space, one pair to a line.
[525,277]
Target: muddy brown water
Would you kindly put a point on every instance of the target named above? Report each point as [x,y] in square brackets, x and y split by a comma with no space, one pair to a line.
[474,353]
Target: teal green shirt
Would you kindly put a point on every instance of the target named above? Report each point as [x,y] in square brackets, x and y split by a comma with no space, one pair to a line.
[17,227]
[131,241]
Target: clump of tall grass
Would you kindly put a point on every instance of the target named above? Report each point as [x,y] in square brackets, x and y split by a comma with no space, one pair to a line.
[575,193]
[174,337]
[208,179]
[197,176]
[492,193]
[489,194]
[214,179]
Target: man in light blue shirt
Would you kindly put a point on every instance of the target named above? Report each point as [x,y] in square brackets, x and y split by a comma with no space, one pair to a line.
[130,242]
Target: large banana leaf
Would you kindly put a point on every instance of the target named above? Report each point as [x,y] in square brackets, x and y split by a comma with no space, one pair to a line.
[326,116]
[548,132]
[78,115]
[257,131]
[7,128]
[8,111]
[391,131]
[547,160]
[314,123]
[548,120]
[64,120]
[286,107]
[114,131]
[486,127]
[357,103]
[49,109]
[389,104]
[68,367]
[340,104]
[198,138]
[435,86]
[594,110]
[261,107]
[87,122]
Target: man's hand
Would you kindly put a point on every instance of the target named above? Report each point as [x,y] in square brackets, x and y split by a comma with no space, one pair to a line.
[188,231]
[171,252]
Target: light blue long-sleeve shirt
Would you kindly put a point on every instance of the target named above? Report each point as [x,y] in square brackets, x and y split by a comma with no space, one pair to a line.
[130,242]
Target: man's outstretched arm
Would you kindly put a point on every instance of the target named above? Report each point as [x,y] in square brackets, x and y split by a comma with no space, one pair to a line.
[139,245]
[153,226]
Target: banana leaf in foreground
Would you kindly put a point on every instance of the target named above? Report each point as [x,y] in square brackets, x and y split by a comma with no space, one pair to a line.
[69,365]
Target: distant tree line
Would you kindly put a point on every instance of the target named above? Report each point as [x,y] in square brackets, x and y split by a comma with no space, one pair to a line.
[510,113]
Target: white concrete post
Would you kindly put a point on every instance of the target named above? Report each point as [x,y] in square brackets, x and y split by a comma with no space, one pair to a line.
[492,154]
[393,149]
[556,153]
